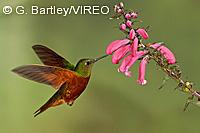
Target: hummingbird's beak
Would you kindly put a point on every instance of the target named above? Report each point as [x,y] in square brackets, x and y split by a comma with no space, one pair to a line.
[99,58]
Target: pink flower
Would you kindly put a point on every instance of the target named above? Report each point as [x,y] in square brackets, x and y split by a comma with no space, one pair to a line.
[134,15]
[128,16]
[123,27]
[139,54]
[122,67]
[113,46]
[120,53]
[132,34]
[129,61]
[141,78]
[134,46]
[128,23]
[165,51]
[143,33]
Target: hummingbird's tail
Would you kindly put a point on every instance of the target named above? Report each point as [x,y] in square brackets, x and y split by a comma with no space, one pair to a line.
[40,110]
[55,100]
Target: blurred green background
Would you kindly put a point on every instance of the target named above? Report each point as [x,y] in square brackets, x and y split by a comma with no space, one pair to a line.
[112,103]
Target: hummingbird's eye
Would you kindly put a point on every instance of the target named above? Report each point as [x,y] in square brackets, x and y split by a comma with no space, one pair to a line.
[87,63]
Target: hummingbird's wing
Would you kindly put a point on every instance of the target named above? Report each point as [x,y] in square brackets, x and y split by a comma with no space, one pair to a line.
[50,75]
[55,100]
[51,58]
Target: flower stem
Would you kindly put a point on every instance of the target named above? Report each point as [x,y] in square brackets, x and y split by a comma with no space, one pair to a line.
[174,72]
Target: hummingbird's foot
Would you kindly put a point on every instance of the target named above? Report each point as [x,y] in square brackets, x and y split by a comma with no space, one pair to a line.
[70,103]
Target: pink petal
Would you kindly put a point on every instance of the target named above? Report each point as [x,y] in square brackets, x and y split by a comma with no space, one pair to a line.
[156,45]
[128,73]
[129,61]
[132,34]
[120,53]
[116,45]
[141,78]
[128,16]
[128,23]
[165,51]
[135,58]
[126,60]
[134,46]
[123,27]
[143,33]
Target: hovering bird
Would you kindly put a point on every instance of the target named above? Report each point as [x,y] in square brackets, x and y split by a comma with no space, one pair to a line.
[69,80]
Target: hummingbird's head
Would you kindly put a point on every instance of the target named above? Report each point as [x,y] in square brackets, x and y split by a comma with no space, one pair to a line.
[84,66]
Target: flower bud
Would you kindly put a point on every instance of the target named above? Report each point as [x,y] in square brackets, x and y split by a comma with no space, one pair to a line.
[123,27]
[134,46]
[134,15]
[129,23]
[128,16]
[132,34]
[143,33]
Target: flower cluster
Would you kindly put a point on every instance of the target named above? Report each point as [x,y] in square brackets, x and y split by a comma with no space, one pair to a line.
[131,48]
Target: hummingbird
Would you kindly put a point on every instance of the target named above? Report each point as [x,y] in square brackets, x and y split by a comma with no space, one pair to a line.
[69,80]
